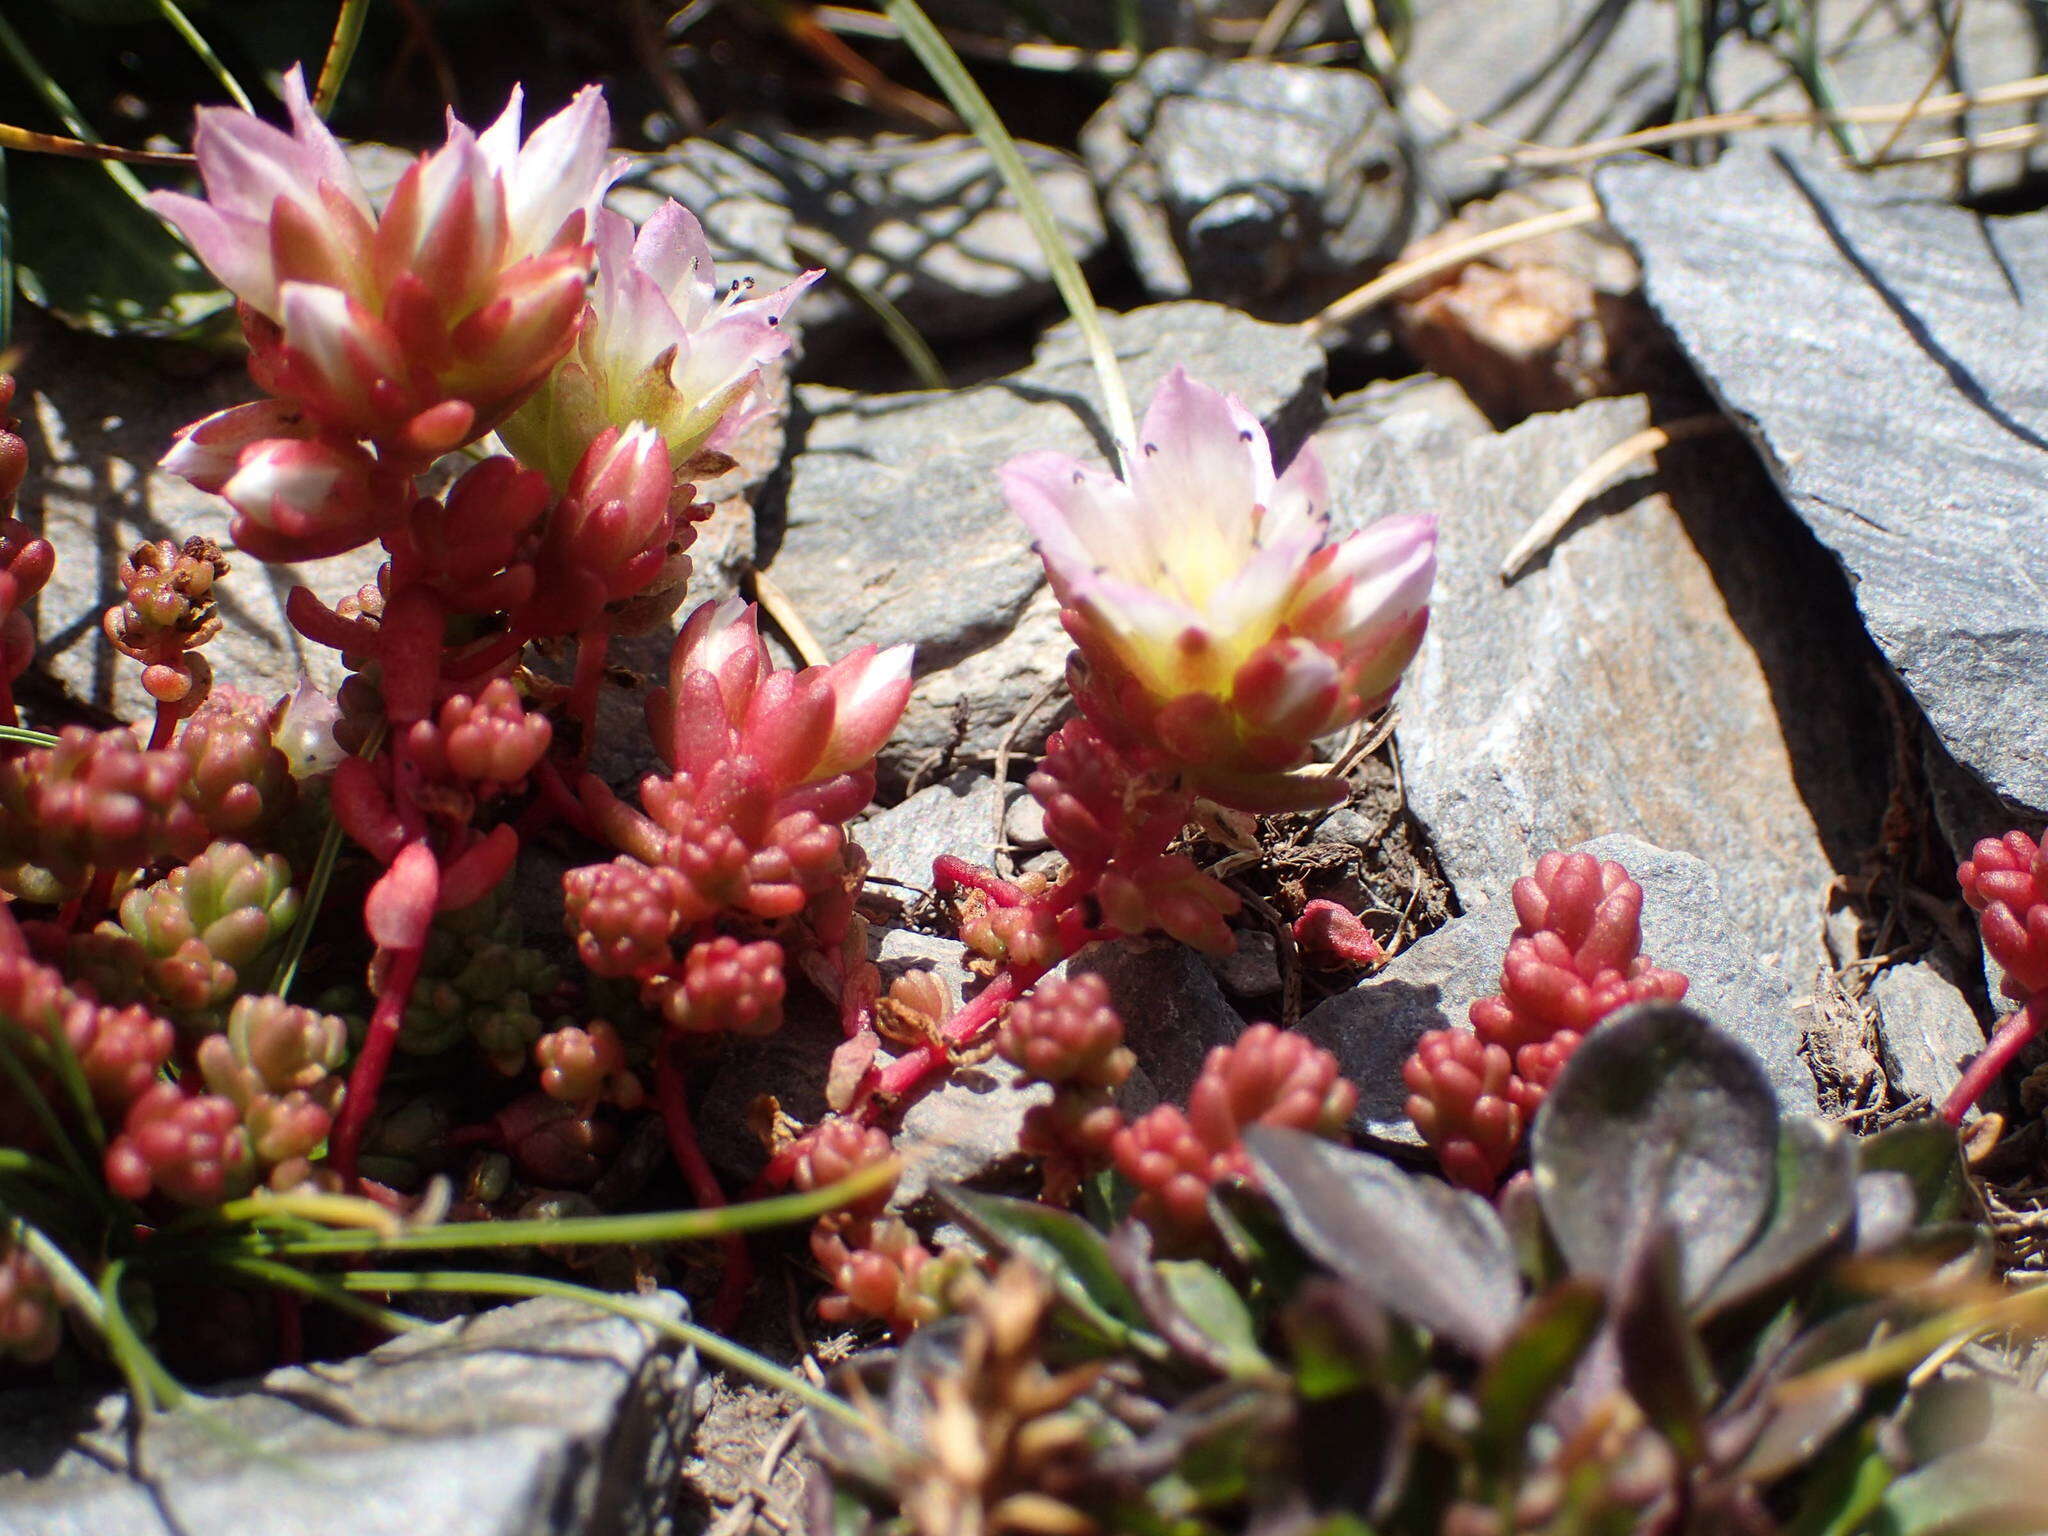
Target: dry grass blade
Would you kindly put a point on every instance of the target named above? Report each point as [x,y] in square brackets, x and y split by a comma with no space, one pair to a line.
[2016,137]
[1553,518]
[1405,274]
[1050,58]
[1538,156]
[781,608]
[77,149]
[1274,29]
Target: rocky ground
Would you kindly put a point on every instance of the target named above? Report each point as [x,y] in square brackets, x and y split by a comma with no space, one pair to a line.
[1786,668]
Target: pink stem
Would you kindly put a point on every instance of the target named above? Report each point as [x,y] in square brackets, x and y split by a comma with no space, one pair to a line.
[682,1141]
[912,1068]
[160,730]
[591,647]
[950,873]
[2010,1038]
[367,1076]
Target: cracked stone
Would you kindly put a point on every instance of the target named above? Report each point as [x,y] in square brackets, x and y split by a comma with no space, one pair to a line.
[1884,353]
[548,1418]
[1685,621]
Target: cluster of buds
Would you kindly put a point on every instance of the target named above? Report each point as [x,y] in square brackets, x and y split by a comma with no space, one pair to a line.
[94,801]
[1331,935]
[1113,825]
[1220,628]
[1574,959]
[416,330]
[241,776]
[167,612]
[874,1261]
[186,941]
[279,1065]
[26,561]
[481,982]
[1265,1077]
[586,1065]
[1067,1034]
[192,1148]
[2005,881]
[469,752]
[767,766]
[31,1325]
[119,1050]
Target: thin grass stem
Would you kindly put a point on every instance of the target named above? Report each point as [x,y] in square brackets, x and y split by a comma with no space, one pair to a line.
[196,41]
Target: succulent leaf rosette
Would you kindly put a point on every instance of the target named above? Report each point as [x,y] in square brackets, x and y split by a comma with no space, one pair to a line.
[1220,627]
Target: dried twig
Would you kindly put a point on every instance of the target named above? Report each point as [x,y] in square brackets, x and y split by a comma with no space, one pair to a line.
[1403,275]
[1552,520]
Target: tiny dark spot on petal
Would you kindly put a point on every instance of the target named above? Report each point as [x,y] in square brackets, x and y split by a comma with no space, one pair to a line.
[775,319]
[1245,436]
[1151,449]
[1079,478]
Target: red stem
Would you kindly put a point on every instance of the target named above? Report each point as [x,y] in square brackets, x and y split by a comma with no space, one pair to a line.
[950,873]
[912,1068]
[2010,1038]
[591,647]
[367,1077]
[7,714]
[673,1101]
[160,730]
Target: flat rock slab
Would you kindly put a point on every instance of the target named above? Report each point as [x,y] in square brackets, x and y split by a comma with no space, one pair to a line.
[1926,1029]
[1373,1028]
[1678,668]
[1888,355]
[1889,53]
[926,223]
[895,527]
[548,1418]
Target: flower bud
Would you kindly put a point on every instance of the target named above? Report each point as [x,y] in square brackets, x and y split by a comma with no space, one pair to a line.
[302,499]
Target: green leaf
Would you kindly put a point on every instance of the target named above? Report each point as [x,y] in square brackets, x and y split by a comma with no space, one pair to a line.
[1209,1301]
[87,252]
[1658,1117]
[1978,1492]
[1072,1255]
[1662,1364]
[1537,1359]
[1925,1151]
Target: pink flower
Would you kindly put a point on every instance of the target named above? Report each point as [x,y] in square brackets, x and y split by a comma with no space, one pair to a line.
[302,499]
[420,328]
[725,701]
[1219,624]
[657,346]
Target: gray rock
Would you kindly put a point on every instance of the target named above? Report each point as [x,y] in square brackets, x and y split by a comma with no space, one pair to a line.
[895,527]
[1253,968]
[1677,668]
[1926,1029]
[1885,355]
[925,223]
[1879,54]
[1174,1013]
[97,415]
[957,817]
[1538,71]
[1161,23]
[544,1419]
[1373,1028]
[1261,184]
[1441,403]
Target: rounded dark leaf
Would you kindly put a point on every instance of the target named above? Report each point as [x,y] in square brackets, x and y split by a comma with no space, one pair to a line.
[1426,1252]
[1658,1117]
[1814,1211]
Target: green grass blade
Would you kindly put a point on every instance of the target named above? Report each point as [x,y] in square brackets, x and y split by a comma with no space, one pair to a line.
[182,25]
[18,733]
[324,861]
[63,108]
[734,1356]
[341,52]
[904,336]
[152,1385]
[320,1288]
[584,1231]
[16,1072]
[938,57]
